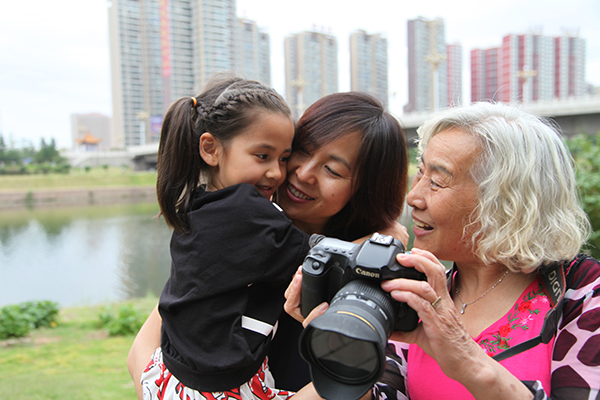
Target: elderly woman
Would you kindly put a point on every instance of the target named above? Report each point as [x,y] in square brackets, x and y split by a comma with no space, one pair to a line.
[495,193]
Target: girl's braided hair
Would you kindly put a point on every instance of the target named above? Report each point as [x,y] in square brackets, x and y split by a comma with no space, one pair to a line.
[227,106]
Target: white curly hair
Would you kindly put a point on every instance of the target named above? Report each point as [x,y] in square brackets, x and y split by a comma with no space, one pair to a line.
[528,213]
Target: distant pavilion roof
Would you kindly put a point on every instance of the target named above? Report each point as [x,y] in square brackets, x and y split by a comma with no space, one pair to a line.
[89,139]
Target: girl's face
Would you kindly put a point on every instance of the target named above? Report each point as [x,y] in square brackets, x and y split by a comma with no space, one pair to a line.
[319,182]
[257,156]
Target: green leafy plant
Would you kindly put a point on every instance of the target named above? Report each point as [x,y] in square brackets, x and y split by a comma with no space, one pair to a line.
[14,323]
[124,321]
[42,313]
[18,320]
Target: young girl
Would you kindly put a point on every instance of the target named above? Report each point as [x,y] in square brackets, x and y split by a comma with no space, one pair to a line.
[233,251]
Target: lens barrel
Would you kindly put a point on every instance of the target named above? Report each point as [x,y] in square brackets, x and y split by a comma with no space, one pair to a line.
[345,347]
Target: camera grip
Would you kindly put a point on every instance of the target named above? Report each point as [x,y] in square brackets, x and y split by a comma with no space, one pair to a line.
[314,292]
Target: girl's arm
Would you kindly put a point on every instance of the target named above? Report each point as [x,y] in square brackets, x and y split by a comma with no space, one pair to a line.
[144,345]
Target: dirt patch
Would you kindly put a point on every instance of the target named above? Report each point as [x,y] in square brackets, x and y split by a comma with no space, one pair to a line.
[98,335]
[16,342]
[41,340]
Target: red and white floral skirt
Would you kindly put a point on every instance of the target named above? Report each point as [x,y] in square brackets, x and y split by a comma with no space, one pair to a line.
[159,384]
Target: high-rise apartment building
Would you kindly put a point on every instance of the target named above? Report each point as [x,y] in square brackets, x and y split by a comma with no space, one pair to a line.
[162,50]
[214,27]
[253,53]
[311,68]
[484,74]
[526,68]
[136,69]
[454,72]
[428,58]
[570,67]
[369,64]
[529,68]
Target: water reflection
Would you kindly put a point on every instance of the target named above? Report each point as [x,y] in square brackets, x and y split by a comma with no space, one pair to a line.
[86,255]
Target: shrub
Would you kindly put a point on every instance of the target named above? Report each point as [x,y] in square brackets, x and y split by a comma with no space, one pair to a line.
[42,313]
[14,323]
[126,321]
[18,320]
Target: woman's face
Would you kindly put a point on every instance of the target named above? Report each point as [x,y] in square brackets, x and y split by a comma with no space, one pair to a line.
[319,182]
[444,194]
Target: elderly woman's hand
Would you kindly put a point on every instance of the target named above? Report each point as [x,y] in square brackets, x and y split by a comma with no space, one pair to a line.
[293,296]
[440,333]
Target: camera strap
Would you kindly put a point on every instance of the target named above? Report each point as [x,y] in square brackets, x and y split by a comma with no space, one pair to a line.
[554,283]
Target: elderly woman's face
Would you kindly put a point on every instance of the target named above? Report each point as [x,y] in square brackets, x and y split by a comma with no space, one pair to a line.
[319,183]
[443,195]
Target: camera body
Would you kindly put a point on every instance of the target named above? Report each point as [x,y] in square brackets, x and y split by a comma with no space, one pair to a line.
[331,264]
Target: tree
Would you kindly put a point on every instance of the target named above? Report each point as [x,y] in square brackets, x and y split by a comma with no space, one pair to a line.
[9,156]
[586,152]
[47,153]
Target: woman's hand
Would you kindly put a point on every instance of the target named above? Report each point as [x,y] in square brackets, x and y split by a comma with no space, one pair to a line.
[440,333]
[293,296]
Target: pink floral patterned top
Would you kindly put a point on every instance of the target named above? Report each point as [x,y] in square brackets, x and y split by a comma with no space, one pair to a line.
[567,368]
[522,322]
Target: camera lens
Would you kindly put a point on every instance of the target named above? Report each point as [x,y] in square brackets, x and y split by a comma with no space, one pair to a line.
[345,347]
[347,358]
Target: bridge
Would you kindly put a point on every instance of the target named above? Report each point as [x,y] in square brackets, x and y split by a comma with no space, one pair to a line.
[140,158]
[574,116]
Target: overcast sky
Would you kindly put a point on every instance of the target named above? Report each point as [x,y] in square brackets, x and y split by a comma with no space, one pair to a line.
[54,58]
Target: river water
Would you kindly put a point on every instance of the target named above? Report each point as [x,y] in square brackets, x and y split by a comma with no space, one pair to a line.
[82,256]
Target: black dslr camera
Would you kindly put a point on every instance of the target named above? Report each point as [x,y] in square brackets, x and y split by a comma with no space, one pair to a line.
[345,347]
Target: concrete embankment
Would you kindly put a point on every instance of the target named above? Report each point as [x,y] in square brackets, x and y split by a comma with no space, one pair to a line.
[80,197]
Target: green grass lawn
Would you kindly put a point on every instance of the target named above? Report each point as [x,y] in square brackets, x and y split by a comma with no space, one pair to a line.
[75,360]
[77,179]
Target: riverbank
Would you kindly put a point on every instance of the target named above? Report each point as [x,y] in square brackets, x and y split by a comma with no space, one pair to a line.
[76,197]
[100,186]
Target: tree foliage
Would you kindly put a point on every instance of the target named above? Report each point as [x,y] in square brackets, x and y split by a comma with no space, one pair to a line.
[29,161]
[586,152]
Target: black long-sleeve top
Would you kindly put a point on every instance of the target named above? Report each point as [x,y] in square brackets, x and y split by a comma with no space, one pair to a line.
[228,276]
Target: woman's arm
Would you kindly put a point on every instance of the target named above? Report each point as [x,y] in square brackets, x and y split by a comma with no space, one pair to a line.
[144,345]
